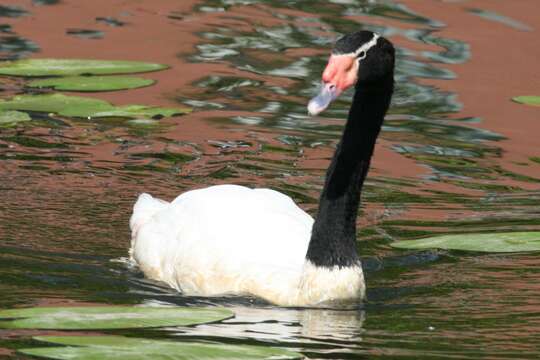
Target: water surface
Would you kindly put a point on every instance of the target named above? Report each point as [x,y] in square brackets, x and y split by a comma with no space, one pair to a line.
[448,161]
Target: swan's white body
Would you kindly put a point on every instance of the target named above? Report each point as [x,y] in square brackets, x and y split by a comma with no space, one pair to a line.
[230,239]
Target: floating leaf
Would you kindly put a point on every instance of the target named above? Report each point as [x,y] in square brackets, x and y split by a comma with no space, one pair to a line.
[77,106]
[127,111]
[136,111]
[528,100]
[115,317]
[52,103]
[92,83]
[495,242]
[70,67]
[10,118]
[119,347]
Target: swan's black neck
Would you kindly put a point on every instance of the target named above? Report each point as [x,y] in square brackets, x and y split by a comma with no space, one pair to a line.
[333,237]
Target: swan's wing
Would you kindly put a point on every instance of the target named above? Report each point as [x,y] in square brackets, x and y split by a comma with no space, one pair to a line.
[228,227]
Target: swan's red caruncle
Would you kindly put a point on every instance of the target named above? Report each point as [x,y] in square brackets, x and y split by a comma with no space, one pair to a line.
[341,71]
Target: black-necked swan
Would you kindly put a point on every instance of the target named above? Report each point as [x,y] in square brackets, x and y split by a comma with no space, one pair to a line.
[230,239]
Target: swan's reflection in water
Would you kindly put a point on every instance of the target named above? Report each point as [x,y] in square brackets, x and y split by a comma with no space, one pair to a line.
[300,328]
[257,322]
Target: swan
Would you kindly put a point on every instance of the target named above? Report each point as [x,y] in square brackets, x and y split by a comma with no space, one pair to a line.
[230,239]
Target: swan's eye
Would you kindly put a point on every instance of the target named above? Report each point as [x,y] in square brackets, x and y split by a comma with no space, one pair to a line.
[362,55]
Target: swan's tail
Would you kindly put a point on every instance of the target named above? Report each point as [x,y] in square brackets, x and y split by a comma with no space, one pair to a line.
[143,210]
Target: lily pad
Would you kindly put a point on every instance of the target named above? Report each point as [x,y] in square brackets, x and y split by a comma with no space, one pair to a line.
[77,106]
[71,67]
[119,347]
[528,100]
[53,103]
[115,317]
[128,111]
[92,83]
[11,118]
[496,242]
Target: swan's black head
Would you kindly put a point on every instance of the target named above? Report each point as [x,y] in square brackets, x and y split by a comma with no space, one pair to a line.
[363,59]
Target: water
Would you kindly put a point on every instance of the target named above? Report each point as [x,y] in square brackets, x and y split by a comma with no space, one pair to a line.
[447,162]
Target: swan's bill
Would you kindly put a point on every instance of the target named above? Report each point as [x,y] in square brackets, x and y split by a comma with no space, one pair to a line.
[327,94]
[340,73]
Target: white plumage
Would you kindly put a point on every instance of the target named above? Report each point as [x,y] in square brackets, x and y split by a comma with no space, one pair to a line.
[229,239]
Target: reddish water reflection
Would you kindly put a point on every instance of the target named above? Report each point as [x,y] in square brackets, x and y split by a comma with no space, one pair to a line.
[455,155]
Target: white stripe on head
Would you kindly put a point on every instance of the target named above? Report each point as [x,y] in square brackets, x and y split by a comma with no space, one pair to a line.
[364,48]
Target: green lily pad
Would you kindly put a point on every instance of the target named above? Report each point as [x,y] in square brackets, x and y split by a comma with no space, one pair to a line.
[496,242]
[114,317]
[127,111]
[77,106]
[71,67]
[52,103]
[119,347]
[11,118]
[528,100]
[140,111]
[92,83]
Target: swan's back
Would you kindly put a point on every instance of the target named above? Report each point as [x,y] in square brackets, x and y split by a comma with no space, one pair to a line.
[222,239]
